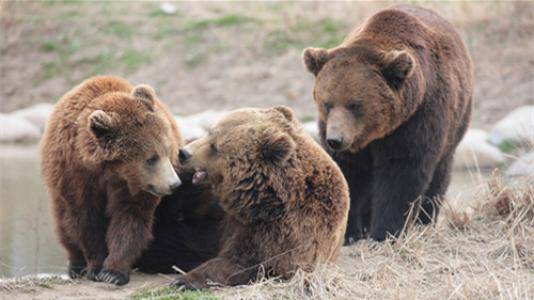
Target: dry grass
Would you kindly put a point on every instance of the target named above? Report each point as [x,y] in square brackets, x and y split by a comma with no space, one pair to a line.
[33,282]
[483,251]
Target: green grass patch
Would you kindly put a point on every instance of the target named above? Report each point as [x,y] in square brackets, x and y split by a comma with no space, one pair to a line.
[49,46]
[52,2]
[171,293]
[507,147]
[326,33]
[307,119]
[223,21]
[132,59]
[119,29]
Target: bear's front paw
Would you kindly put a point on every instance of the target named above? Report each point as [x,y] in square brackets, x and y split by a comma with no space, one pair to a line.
[113,277]
[76,270]
[92,274]
[182,283]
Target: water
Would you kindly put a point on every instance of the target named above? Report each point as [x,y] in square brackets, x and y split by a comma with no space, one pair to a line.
[27,240]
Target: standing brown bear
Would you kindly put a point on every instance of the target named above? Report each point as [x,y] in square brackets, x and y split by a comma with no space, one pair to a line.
[107,158]
[286,202]
[394,101]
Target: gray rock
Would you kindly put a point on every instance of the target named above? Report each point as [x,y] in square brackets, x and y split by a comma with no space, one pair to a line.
[474,151]
[312,129]
[205,119]
[190,131]
[17,129]
[523,167]
[517,128]
[36,114]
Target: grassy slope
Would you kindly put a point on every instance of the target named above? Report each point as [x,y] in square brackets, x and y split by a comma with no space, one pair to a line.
[200,57]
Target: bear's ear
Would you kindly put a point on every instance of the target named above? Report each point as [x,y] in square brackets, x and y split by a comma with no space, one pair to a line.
[397,67]
[277,148]
[145,94]
[100,124]
[314,59]
[286,111]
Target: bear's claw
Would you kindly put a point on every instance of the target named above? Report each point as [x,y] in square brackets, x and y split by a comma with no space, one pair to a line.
[181,283]
[76,271]
[113,277]
[92,274]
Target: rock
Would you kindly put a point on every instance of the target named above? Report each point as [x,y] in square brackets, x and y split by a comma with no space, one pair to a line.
[206,118]
[168,8]
[17,129]
[474,151]
[37,114]
[190,131]
[523,167]
[312,129]
[517,128]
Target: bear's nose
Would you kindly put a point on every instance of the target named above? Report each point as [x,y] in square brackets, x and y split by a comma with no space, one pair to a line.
[183,155]
[175,185]
[334,143]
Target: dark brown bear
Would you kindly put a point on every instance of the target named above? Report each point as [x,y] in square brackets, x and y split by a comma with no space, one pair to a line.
[394,100]
[285,200]
[107,158]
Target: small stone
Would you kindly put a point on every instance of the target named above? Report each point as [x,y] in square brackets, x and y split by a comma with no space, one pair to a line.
[474,151]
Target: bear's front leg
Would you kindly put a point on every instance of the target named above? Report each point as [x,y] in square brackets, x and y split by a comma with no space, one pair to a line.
[219,270]
[357,169]
[129,233]
[396,184]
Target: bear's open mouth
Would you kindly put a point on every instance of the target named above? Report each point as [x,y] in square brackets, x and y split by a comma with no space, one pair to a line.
[199,176]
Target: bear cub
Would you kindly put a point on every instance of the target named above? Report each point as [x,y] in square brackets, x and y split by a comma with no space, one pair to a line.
[107,158]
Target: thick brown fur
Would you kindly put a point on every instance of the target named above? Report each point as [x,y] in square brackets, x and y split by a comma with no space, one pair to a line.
[107,156]
[394,101]
[285,200]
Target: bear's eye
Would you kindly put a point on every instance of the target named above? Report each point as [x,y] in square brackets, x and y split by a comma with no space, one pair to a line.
[355,108]
[328,107]
[152,160]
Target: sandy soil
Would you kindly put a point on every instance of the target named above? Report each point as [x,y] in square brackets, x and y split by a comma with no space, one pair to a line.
[80,289]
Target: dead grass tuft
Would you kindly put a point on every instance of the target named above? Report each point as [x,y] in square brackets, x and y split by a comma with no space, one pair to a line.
[481,252]
[32,282]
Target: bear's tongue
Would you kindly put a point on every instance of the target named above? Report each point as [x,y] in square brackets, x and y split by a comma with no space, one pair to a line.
[199,176]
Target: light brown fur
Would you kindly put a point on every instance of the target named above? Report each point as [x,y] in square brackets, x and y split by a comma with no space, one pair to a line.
[286,201]
[107,149]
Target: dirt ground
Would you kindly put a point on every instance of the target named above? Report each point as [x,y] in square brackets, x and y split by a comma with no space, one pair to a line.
[226,55]
[484,250]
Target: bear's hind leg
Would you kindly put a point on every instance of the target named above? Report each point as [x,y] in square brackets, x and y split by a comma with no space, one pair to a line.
[436,191]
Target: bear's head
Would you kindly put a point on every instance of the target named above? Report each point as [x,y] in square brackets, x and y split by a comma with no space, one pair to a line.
[130,135]
[248,158]
[359,93]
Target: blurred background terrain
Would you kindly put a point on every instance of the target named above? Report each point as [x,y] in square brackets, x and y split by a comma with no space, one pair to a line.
[225,55]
